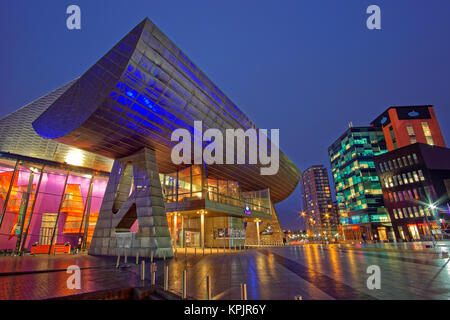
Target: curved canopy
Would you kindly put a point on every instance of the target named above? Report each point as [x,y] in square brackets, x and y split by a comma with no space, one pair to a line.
[137,94]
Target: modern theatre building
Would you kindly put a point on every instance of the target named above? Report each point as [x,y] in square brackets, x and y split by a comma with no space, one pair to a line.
[89,164]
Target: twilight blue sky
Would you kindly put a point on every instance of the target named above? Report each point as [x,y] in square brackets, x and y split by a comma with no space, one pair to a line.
[306,67]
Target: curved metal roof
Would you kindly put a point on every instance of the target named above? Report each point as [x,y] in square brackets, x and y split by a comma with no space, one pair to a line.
[137,94]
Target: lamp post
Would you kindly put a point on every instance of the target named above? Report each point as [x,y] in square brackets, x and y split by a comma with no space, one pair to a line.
[432,207]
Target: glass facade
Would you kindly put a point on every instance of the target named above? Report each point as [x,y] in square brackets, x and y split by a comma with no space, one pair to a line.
[358,189]
[47,203]
[192,184]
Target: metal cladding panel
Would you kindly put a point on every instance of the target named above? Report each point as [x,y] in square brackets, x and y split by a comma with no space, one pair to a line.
[18,136]
[137,95]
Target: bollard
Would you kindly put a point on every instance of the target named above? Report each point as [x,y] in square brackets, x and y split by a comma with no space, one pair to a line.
[243,291]
[184,287]
[151,256]
[166,278]
[126,256]
[298,298]
[153,273]
[164,255]
[208,288]
[143,270]
[137,257]
[240,246]
[118,261]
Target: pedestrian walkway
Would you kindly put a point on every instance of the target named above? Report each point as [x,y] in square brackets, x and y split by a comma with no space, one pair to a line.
[271,273]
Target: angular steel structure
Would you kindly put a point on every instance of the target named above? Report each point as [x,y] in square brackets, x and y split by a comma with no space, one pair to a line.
[137,94]
[125,108]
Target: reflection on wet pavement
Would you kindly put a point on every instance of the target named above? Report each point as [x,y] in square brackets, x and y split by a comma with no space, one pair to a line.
[310,271]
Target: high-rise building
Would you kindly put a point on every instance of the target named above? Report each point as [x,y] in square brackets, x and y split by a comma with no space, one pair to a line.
[317,203]
[358,190]
[416,189]
[403,126]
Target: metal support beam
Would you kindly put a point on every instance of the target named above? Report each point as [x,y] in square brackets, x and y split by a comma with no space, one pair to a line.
[86,212]
[202,230]
[23,211]
[59,212]
[24,241]
[5,205]
[257,232]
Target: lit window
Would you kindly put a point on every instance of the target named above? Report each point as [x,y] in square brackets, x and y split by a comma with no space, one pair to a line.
[405,213]
[411,180]
[410,160]
[400,164]
[395,213]
[410,212]
[405,195]
[427,133]
[404,161]
[422,178]
[400,182]
[411,134]
[405,179]
[394,140]
[421,211]
[416,161]
[416,177]
[416,213]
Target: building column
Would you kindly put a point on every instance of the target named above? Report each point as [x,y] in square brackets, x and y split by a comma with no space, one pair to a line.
[24,241]
[202,230]
[174,234]
[182,244]
[21,219]
[120,209]
[55,228]
[86,213]
[5,204]
[257,233]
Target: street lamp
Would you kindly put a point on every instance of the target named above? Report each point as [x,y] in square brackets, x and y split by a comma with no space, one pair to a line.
[433,207]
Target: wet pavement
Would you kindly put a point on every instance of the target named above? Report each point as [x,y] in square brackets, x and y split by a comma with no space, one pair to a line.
[272,273]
